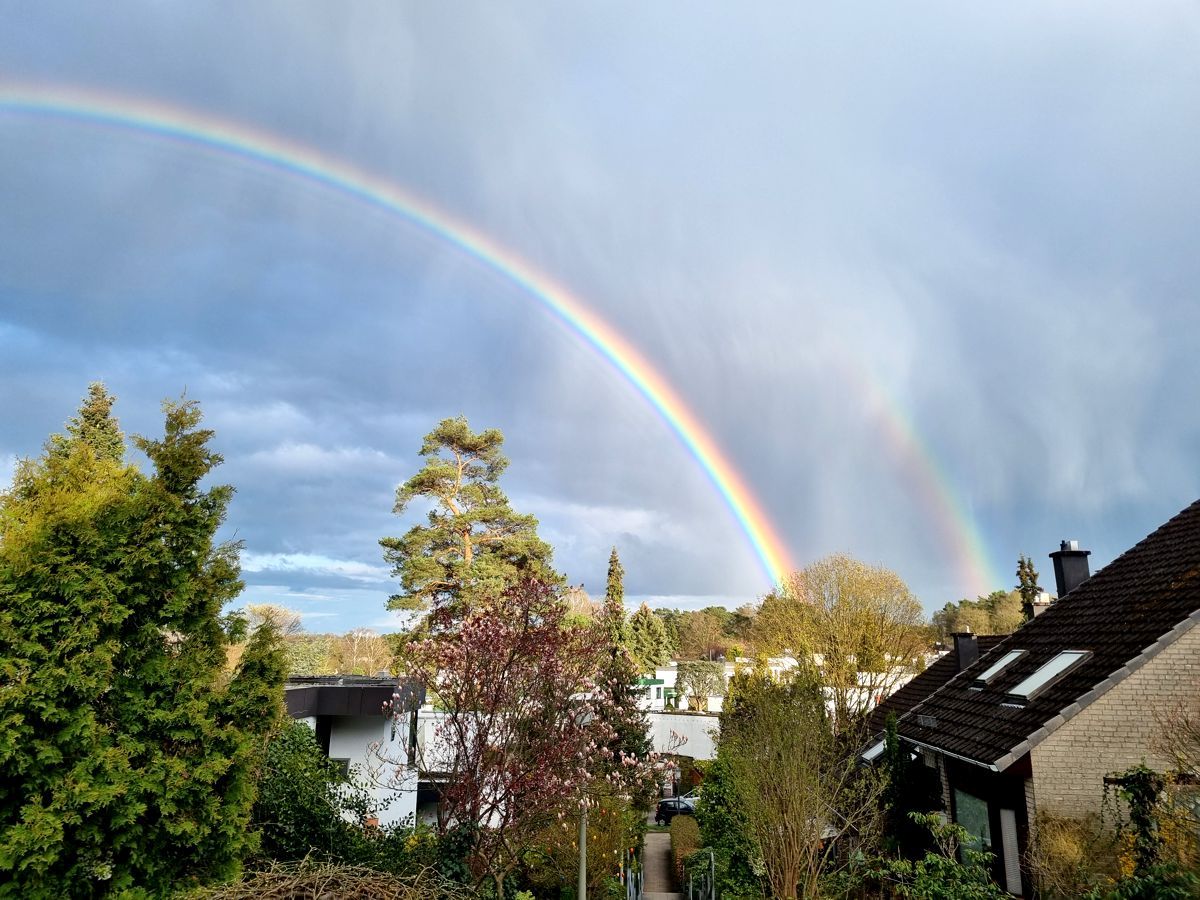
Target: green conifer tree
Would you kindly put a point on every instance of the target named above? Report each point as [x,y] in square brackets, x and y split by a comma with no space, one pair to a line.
[473,544]
[621,677]
[94,427]
[127,757]
[614,603]
[647,639]
[1027,585]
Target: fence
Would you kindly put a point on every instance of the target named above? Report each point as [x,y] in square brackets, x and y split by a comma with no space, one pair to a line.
[631,875]
[702,880]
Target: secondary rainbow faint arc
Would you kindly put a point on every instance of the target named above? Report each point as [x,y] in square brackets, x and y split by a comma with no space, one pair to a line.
[279,153]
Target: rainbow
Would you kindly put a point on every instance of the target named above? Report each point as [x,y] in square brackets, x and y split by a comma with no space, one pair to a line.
[206,131]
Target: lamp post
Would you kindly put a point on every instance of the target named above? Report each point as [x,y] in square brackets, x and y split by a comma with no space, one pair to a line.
[581,891]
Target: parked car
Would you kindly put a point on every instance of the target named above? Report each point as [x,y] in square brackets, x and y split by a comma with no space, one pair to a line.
[672,807]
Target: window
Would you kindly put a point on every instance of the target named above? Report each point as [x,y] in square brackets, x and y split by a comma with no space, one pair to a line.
[658,693]
[1000,665]
[873,753]
[1049,672]
[343,766]
[972,814]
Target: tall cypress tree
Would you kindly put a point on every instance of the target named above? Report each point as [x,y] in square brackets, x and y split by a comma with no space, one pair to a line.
[629,721]
[614,603]
[127,758]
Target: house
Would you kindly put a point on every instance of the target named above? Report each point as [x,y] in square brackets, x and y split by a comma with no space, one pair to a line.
[1034,725]
[347,713]
[966,649]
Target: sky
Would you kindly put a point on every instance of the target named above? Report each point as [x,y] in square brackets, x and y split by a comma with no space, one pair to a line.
[925,275]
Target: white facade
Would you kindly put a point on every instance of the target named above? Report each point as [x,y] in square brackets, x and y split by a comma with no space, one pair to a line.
[374,753]
[686,734]
[660,691]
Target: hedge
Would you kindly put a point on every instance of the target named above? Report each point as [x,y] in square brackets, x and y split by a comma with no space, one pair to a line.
[685,840]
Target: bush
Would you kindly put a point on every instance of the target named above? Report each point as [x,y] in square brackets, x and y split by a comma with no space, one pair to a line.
[723,827]
[306,809]
[1070,856]
[685,840]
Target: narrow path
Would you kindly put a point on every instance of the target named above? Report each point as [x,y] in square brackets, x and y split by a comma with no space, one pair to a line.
[659,881]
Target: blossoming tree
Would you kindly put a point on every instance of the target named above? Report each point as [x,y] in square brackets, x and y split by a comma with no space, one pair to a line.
[526,722]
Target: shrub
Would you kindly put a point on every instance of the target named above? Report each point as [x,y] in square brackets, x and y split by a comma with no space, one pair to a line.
[685,840]
[723,827]
[1070,856]
[306,809]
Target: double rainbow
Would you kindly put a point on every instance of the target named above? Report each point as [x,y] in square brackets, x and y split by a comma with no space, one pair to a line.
[202,130]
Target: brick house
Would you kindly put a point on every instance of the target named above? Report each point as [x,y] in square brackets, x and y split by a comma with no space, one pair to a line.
[1035,724]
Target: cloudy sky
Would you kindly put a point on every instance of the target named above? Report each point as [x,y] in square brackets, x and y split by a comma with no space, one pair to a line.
[927,274]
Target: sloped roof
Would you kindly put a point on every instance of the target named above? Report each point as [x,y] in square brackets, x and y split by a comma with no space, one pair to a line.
[1122,616]
[939,672]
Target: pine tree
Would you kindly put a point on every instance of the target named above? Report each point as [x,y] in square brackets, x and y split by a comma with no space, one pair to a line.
[474,544]
[127,762]
[1027,585]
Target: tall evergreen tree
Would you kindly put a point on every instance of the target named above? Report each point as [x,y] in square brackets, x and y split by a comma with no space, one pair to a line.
[94,427]
[473,545]
[127,757]
[630,731]
[1027,585]
[614,602]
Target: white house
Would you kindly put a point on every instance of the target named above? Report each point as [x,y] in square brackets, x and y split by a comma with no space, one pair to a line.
[346,712]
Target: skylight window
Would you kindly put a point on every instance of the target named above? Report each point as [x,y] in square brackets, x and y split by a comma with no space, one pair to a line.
[1000,665]
[1049,672]
[870,755]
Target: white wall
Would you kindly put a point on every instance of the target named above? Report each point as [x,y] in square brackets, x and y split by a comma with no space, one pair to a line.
[377,756]
[698,729]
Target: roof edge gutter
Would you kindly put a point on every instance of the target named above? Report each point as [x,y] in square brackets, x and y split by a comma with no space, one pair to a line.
[991,767]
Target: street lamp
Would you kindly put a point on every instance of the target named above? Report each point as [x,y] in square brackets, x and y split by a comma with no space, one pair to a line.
[581,890]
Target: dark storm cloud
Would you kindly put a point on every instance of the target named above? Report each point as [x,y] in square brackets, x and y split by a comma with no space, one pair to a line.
[990,213]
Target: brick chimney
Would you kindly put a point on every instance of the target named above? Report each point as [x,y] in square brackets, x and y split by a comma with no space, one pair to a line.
[966,648]
[1070,567]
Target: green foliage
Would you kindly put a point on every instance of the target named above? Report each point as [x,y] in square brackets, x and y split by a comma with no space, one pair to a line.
[724,828]
[685,840]
[997,613]
[1159,882]
[647,640]
[551,861]
[1142,790]
[94,426]
[700,679]
[940,875]
[672,622]
[305,805]
[127,759]
[309,654]
[307,808]
[629,723]
[614,603]
[473,544]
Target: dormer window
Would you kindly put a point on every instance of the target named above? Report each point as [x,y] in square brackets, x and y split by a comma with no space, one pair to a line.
[873,754]
[1049,673]
[999,666]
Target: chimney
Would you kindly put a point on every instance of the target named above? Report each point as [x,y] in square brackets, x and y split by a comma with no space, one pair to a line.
[1070,567]
[966,648]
